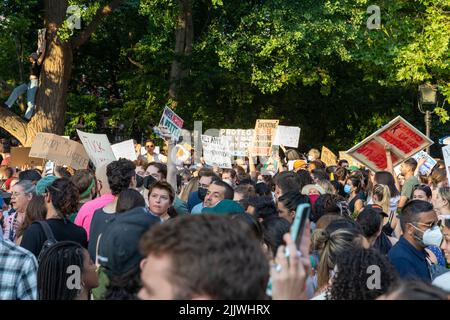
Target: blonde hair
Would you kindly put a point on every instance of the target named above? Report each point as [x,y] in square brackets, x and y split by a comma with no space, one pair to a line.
[444,192]
[381,191]
[326,185]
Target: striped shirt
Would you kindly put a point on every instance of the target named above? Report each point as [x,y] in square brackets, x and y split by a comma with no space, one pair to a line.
[18,273]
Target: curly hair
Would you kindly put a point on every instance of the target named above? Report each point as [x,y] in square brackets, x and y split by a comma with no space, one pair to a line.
[354,271]
[229,265]
[64,196]
[120,174]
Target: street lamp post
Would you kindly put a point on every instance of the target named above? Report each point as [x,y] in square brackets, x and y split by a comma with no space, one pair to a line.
[428,96]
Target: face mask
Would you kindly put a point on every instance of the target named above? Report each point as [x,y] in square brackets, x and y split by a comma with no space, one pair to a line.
[431,237]
[310,158]
[139,181]
[313,198]
[202,193]
[229,182]
[148,181]
[347,189]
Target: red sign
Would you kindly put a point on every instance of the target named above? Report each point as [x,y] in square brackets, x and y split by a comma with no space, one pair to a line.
[403,139]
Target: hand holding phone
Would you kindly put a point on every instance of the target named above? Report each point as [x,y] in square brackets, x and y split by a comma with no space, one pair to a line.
[302,214]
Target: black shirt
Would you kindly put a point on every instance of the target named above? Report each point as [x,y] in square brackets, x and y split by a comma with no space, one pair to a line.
[35,69]
[63,230]
[99,223]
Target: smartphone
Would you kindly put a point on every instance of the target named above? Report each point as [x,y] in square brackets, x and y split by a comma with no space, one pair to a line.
[302,213]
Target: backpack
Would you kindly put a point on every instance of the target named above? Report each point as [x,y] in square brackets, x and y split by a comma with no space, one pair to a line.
[50,238]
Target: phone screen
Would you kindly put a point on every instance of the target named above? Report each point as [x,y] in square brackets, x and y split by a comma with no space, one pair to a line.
[301,215]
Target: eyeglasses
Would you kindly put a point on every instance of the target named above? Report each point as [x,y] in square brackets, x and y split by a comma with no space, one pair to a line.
[149,146]
[430,225]
[16,194]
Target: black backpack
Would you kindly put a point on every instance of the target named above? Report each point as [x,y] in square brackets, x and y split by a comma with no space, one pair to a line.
[50,238]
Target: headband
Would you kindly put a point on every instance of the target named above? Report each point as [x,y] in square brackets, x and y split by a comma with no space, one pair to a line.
[88,190]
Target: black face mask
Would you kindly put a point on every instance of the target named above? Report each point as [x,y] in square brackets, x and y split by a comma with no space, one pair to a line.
[148,181]
[202,193]
[139,181]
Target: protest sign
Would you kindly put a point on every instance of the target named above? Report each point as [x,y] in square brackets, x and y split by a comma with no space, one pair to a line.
[351,161]
[20,157]
[216,151]
[403,139]
[173,123]
[287,136]
[240,139]
[328,157]
[263,136]
[125,150]
[446,154]
[60,150]
[445,141]
[428,165]
[97,147]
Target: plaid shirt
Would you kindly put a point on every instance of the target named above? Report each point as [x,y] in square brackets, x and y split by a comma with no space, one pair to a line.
[18,273]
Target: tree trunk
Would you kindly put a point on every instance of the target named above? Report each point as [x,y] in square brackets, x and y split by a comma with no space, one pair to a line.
[55,76]
[184,38]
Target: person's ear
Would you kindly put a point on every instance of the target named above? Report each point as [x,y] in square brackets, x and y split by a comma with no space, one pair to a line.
[292,214]
[142,264]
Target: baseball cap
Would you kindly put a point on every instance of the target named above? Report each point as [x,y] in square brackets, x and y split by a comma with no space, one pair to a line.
[225,206]
[377,208]
[44,183]
[118,250]
[353,168]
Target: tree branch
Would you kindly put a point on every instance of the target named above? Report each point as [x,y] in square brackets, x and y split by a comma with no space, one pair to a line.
[12,123]
[99,16]
[137,64]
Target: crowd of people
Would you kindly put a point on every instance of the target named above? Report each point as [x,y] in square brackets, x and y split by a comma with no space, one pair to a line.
[147,229]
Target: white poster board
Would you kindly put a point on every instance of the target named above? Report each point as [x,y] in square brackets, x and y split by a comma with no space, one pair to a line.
[97,147]
[216,151]
[428,165]
[125,150]
[287,136]
[446,153]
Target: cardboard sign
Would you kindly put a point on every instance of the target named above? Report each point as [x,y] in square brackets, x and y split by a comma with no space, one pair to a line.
[20,157]
[173,123]
[328,157]
[240,139]
[97,147]
[446,153]
[287,136]
[125,150]
[351,161]
[216,151]
[428,165]
[263,137]
[403,139]
[60,150]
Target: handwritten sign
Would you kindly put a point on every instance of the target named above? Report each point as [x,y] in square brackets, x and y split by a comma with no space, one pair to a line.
[97,147]
[60,150]
[173,123]
[125,150]
[287,136]
[21,157]
[263,136]
[216,151]
[403,139]
[446,154]
[428,165]
[328,157]
[241,140]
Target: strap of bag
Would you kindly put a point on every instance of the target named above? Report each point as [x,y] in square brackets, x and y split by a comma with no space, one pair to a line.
[48,232]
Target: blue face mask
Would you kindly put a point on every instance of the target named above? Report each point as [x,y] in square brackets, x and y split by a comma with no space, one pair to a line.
[347,189]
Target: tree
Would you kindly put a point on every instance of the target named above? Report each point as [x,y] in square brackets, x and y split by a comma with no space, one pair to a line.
[56,73]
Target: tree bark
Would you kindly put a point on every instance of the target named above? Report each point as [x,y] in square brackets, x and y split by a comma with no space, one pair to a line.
[55,76]
[184,37]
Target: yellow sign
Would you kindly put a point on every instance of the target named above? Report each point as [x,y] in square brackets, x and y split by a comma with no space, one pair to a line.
[328,157]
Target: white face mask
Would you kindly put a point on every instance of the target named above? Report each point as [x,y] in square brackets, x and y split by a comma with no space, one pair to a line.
[431,237]
[310,158]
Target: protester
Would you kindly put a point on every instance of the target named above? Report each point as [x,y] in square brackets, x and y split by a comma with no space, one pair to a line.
[422,192]
[288,202]
[229,176]
[262,207]
[18,273]
[31,175]
[274,228]
[442,201]
[242,193]
[353,189]
[152,156]
[313,154]
[443,281]
[408,256]
[57,268]
[36,211]
[86,184]
[160,199]
[235,264]
[206,177]
[216,192]
[61,199]
[285,182]
[129,199]
[407,169]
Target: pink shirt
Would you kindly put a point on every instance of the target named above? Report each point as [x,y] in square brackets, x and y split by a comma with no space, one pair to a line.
[84,216]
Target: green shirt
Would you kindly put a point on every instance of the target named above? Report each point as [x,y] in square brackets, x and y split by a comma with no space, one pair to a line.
[408,187]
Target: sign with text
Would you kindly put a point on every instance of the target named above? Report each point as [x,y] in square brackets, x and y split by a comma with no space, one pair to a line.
[216,151]
[263,137]
[404,141]
[21,157]
[446,154]
[328,157]
[287,136]
[97,147]
[125,150]
[60,150]
[429,163]
[173,123]
[241,140]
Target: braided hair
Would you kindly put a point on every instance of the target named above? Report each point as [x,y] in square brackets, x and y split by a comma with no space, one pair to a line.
[54,273]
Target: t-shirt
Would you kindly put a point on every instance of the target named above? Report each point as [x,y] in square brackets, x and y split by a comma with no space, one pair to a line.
[197,209]
[63,230]
[408,187]
[99,223]
[84,216]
